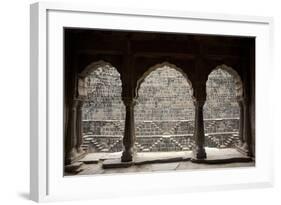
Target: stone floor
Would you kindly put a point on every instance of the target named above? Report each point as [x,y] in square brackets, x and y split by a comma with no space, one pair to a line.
[145,162]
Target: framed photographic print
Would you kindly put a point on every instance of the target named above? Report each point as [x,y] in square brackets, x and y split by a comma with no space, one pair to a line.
[147,101]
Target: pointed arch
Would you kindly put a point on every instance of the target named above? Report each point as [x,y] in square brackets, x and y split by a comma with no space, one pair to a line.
[165,110]
[222,114]
[103,111]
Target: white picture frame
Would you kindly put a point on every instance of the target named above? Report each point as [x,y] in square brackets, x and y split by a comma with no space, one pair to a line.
[47,182]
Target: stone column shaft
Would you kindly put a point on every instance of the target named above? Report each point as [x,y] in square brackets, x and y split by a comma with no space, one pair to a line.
[73,125]
[241,122]
[199,151]
[75,134]
[79,126]
[129,132]
[71,138]
[246,129]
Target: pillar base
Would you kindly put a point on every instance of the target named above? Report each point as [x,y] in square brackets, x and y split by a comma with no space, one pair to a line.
[239,143]
[244,149]
[199,153]
[74,155]
[80,150]
[127,156]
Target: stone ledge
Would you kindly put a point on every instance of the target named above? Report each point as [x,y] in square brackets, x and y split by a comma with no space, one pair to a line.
[173,159]
[73,168]
[222,161]
[214,156]
[89,161]
[115,163]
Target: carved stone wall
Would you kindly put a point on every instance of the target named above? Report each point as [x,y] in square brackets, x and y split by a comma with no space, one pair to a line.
[104,95]
[164,94]
[221,99]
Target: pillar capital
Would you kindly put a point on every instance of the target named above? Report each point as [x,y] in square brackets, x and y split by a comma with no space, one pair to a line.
[199,92]
[241,99]
[199,102]
[129,101]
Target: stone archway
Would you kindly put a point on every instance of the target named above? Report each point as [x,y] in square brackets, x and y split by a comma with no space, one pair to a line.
[223,111]
[102,109]
[164,114]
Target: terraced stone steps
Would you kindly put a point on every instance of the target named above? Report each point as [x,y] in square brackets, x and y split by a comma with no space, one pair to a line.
[156,143]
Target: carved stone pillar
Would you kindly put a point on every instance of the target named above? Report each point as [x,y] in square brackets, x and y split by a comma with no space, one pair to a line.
[246,129]
[241,121]
[199,150]
[79,127]
[72,153]
[75,134]
[129,133]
